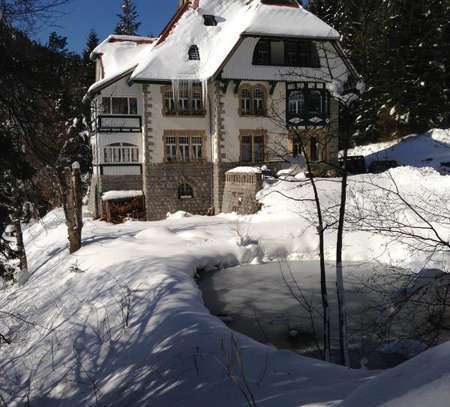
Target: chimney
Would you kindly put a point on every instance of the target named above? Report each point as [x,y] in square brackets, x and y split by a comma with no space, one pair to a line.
[181,3]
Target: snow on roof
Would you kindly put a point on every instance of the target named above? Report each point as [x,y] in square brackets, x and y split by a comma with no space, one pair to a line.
[112,195]
[120,54]
[168,59]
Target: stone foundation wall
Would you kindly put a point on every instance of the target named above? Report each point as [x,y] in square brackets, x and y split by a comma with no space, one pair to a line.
[163,181]
[220,170]
[240,193]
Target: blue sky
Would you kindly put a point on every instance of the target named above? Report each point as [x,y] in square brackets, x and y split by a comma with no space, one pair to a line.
[80,16]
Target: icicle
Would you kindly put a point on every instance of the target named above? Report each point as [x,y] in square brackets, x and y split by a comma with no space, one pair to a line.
[204,83]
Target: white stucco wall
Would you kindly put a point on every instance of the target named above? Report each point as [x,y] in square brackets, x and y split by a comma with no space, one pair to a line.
[100,140]
[160,122]
[234,123]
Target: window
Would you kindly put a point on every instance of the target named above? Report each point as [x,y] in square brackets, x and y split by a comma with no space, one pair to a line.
[262,53]
[188,99]
[185,191]
[259,101]
[197,98]
[315,103]
[197,147]
[209,20]
[121,153]
[295,53]
[252,100]
[183,99]
[246,101]
[169,101]
[171,148]
[194,53]
[119,105]
[252,147]
[183,147]
[296,102]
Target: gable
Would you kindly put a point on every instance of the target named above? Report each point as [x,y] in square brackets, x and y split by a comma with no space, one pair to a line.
[169,60]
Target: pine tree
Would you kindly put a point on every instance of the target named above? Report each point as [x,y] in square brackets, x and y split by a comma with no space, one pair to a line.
[128,20]
[91,44]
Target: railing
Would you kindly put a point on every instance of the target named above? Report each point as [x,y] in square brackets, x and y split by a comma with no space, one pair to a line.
[119,124]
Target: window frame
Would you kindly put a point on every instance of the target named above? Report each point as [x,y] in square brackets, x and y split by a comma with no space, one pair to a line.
[252,135]
[115,153]
[183,188]
[195,151]
[193,93]
[251,100]
[307,54]
[132,104]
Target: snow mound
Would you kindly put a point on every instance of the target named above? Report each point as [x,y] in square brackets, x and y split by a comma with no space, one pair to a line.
[422,381]
[431,149]
[178,215]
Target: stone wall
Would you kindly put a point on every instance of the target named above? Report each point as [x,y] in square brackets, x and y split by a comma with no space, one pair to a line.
[162,183]
[240,192]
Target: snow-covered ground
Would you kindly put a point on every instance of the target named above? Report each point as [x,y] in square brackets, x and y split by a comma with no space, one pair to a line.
[122,322]
[431,149]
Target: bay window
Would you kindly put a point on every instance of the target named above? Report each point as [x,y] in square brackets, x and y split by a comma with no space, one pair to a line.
[119,106]
[121,153]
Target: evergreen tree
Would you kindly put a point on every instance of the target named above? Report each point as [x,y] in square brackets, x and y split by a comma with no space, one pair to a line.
[128,20]
[91,44]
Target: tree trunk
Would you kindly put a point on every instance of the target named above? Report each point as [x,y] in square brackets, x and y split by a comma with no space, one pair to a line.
[20,247]
[70,181]
[323,276]
[340,289]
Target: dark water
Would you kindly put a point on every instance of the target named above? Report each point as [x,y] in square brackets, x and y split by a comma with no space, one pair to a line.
[280,304]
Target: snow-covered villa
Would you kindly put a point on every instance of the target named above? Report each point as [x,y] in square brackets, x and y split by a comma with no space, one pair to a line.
[221,87]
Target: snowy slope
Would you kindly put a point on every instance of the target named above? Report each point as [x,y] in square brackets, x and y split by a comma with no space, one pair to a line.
[422,381]
[431,149]
[122,321]
[130,329]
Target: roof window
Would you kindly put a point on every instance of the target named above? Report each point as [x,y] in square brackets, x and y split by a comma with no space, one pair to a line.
[209,20]
[194,53]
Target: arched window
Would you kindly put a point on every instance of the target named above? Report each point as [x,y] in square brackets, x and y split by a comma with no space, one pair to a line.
[121,153]
[252,100]
[246,101]
[194,53]
[185,191]
[259,100]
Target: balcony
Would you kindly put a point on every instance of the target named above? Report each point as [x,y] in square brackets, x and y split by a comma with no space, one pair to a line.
[119,124]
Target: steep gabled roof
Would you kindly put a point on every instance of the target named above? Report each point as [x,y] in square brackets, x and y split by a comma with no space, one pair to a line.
[119,54]
[168,59]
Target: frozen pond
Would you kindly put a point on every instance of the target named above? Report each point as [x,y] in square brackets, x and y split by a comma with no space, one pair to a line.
[280,304]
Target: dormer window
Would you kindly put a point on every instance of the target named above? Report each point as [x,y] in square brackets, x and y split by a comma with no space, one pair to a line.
[194,53]
[294,53]
[209,20]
